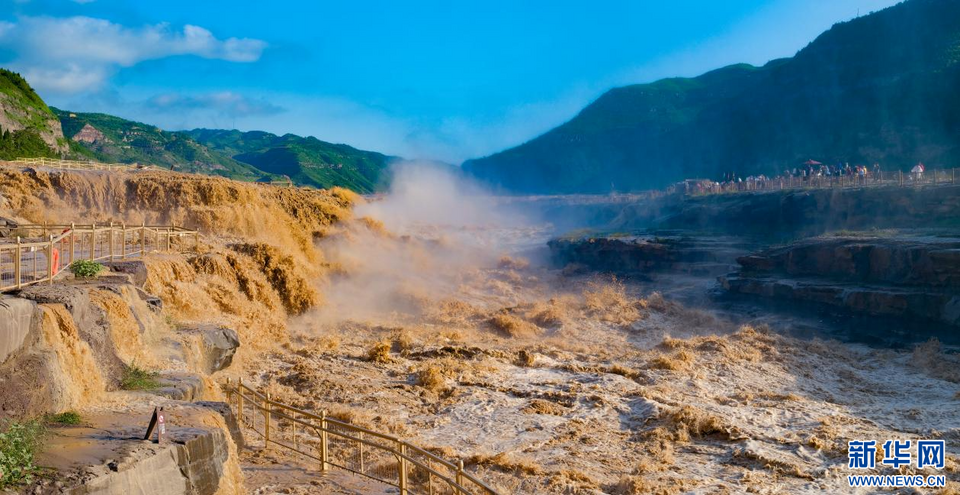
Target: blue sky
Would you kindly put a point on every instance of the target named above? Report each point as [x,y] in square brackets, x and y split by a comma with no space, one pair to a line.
[428,79]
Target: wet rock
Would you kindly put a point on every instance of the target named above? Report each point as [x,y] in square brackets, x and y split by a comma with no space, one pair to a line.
[194,459]
[180,386]
[910,276]
[873,300]
[7,226]
[91,321]
[914,261]
[228,417]
[135,268]
[153,302]
[696,255]
[17,318]
[218,346]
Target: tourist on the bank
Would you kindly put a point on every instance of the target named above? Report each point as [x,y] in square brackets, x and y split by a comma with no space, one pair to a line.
[917,172]
[876,172]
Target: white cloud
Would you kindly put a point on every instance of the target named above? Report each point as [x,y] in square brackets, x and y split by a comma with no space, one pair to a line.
[79,53]
[224,103]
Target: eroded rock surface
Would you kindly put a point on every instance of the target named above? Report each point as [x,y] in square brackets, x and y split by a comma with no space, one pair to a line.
[915,276]
[107,455]
[670,251]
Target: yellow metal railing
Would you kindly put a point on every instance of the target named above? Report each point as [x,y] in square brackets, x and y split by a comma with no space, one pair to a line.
[61,164]
[333,443]
[40,252]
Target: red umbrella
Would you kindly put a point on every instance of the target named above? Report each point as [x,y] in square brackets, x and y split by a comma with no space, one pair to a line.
[812,162]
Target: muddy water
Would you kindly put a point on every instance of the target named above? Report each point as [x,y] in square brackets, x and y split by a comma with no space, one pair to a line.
[557,216]
[548,381]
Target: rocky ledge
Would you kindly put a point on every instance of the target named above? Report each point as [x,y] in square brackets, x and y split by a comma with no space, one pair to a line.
[906,275]
[107,454]
[657,251]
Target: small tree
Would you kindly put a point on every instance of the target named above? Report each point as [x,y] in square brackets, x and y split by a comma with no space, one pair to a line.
[85,268]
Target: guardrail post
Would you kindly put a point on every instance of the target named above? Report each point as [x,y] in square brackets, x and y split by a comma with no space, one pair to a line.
[123,241]
[296,436]
[168,240]
[112,236]
[324,453]
[459,474]
[196,242]
[73,243]
[143,239]
[93,241]
[266,423]
[50,260]
[17,262]
[240,401]
[403,468]
[360,444]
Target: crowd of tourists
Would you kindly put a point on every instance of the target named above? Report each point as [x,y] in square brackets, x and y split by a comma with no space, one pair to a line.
[810,173]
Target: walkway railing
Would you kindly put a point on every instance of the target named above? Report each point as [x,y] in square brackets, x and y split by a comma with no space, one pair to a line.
[330,442]
[936,177]
[38,253]
[60,164]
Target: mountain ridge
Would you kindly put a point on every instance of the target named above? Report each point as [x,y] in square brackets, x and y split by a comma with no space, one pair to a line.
[241,155]
[877,88]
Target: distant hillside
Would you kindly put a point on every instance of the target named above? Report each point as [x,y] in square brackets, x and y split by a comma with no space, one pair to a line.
[27,126]
[306,160]
[880,88]
[113,139]
[253,155]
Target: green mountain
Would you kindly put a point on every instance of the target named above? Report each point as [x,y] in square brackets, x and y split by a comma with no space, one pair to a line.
[27,126]
[880,88]
[113,139]
[306,160]
[254,155]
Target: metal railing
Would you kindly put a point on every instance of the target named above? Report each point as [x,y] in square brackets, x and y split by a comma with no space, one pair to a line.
[891,179]
[61,164]
[333,443]
[41,252]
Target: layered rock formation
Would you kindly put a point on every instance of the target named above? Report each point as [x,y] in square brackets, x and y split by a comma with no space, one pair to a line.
[909,276]
[68,346]
[664,251]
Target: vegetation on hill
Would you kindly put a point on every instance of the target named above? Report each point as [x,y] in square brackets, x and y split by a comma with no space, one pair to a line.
[22,143]
[306,160]
[880,88]
[15,86]
[249,156]
[27,126]
[112,139]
